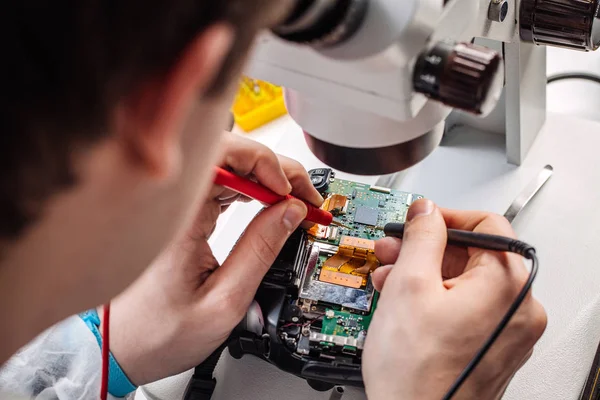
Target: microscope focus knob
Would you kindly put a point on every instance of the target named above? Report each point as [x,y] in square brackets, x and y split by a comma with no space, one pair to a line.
[573,24]
[464,76]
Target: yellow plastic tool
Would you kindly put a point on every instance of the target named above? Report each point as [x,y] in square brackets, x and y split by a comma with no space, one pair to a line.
[257,103]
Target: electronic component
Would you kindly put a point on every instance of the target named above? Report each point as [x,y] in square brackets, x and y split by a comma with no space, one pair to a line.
[343,323]
[319,231]
[366,216]
[357,242]
[325,232]
[337,204]
[332,290]
[333,233]
[343,341]
[351,265]
[345,330]
[381,189]
[321,178]
[342,279]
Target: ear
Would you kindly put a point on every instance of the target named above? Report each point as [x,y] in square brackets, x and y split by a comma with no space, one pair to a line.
[151,120]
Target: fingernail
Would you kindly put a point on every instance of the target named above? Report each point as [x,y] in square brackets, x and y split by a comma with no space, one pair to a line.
[294,215]
[420,208]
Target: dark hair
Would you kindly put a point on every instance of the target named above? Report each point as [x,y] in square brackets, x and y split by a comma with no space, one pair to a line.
[67,63]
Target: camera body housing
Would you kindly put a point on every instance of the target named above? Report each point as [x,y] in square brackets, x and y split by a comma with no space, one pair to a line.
[313,309]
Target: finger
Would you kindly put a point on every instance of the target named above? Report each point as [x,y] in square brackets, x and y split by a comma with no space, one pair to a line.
[205,221]
[380,276]
[226,194]
[387,250]
[478,221]
[307,225]
[494,278]
[455,260]
[423,245]
[229,201]
[302,187]
[241,273]
[247,157]
[482,222]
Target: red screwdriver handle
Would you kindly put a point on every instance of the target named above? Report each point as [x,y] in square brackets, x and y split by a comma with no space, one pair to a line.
[266,196]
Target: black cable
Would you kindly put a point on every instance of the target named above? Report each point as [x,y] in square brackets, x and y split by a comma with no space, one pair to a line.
[486,242]
[574,75]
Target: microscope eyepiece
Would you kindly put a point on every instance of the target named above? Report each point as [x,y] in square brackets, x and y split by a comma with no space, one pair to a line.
[323,23]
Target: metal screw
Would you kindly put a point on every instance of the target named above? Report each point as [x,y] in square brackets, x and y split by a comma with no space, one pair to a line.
[295,319]
[498,10]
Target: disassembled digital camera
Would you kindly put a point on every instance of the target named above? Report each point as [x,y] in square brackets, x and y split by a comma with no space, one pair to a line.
[314,307]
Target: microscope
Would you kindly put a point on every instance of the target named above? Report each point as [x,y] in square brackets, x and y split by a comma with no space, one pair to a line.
[371,82]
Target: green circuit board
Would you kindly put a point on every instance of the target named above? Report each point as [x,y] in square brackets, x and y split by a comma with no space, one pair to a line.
[369,208]
[380,205]
[344,323]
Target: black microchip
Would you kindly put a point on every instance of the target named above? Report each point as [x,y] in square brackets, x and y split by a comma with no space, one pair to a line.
[352,323]
[382,203]
[366,216]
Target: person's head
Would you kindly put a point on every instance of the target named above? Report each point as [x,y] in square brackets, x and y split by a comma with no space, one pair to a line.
[110,118]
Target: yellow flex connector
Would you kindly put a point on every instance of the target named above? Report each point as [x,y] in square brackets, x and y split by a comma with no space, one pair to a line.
[355,258]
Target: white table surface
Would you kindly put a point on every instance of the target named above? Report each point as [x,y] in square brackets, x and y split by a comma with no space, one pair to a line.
[470,172]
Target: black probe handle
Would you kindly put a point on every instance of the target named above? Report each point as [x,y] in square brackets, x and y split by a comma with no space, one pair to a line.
[464,239]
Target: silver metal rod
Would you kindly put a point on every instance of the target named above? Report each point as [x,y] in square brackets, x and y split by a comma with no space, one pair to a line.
[528,193]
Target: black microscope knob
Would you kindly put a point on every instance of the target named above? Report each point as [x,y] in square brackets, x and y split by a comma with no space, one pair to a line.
[464,76]
[573,24]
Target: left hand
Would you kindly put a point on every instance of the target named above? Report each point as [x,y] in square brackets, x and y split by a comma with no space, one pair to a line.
[186,305]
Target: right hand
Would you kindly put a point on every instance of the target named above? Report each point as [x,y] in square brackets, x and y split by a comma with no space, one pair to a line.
[438,306]
[186,304]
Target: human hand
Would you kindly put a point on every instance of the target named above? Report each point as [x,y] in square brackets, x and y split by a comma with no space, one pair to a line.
[437,307]
[186,305]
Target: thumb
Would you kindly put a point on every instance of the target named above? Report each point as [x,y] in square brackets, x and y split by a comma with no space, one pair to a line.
[419,264]
[241,274]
